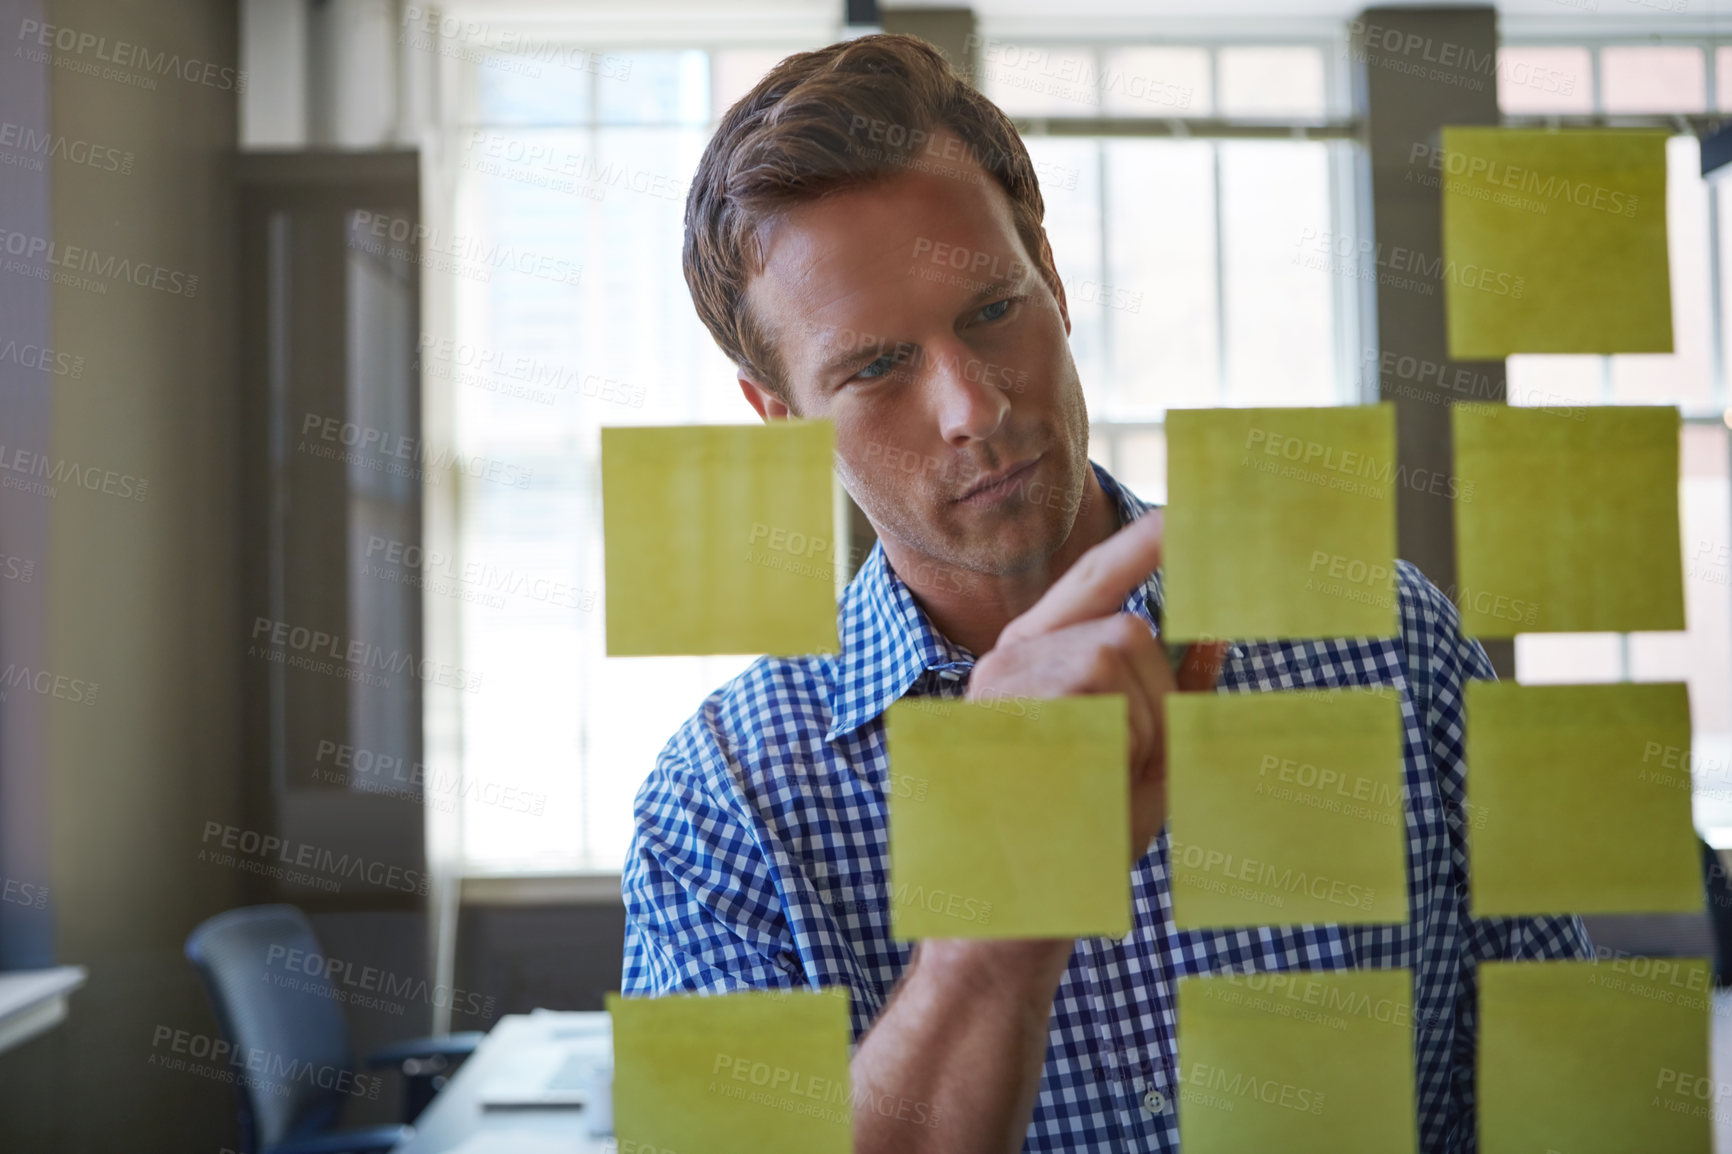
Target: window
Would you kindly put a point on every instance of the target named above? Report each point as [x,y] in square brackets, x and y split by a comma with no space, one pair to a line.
[1179,261]
[591,165]
[1191,280]
[1641,83]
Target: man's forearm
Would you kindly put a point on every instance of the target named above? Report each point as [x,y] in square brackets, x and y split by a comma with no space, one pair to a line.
[965,1036]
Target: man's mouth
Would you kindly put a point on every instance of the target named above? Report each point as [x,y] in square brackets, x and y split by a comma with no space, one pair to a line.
[996,486]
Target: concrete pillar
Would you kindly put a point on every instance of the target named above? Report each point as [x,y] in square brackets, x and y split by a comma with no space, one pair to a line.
[1414,71]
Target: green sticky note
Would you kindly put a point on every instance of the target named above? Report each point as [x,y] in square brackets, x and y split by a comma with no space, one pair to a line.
[755,1072]
[1303,1062]
[1573,524]
[1595,1058]
[1009,818]
[719,539]
[1579,799]
[1555,242]
[1281,523]
[1286,808]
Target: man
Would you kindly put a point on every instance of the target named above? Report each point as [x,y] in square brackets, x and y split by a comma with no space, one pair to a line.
[823,233]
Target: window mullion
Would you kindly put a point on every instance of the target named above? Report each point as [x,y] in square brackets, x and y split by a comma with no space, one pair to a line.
[1221,376]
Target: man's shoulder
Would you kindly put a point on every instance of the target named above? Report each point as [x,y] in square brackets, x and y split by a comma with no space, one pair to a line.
[1424,607]
[771,709]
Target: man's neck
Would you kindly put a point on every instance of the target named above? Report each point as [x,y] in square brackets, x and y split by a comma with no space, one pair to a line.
[973,611]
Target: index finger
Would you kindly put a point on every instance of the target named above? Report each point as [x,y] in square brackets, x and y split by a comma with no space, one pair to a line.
[1098,583]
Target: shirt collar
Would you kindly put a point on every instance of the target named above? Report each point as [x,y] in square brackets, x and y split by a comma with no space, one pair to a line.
[888,641]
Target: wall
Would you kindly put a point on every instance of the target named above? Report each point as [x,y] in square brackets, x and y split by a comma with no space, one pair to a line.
[142,580]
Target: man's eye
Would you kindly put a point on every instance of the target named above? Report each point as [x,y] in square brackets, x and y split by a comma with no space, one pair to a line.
[996,309]
[877,368]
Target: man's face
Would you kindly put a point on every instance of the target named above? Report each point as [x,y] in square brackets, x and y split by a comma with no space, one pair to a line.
[910,313]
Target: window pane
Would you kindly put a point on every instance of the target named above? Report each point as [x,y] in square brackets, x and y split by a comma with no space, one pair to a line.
[1686,375]
[1280,313]
[1071,168]
[1702,656]
[1567,658]
[1652,78]
[637,705]
[1723,187]
[663,88]
[515,90]
[1723,78]
[1139,459]
[1556,381]
[733,73]
[1160,290]
[538,367]
[1272,82]
[1533,80]
[1149,81]
[1040,80]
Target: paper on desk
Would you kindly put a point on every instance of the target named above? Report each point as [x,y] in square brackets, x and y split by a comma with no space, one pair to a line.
[1286,808]
[1009,819]
[1281,523]
[513,1142]
[1302,1062]
[1573,521]
[755,1072]
[1595,1058]
[1579,799]
[1554,242]
[719,539]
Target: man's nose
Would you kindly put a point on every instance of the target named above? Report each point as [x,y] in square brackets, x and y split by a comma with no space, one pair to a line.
[970,407]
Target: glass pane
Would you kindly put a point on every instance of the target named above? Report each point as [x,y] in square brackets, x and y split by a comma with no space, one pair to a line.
[1139,459]
[1272,82]
[514,90]
[537,367]
[1040,80]
[1566,658]
[1071,170]
[734,71]
[662,88]
[635,706]
[1702,656]
[1723,78]
[1723,187]
[1533,80]
[1686,375]
[564,164]
[1160,288]
[1150,81]
[1652,78]
[1280,323]
[1556,382]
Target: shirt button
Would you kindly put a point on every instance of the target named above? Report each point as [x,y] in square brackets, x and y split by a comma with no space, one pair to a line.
[1155,1102]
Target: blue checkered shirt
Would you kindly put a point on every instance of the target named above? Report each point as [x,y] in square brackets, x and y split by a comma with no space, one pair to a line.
[760,861]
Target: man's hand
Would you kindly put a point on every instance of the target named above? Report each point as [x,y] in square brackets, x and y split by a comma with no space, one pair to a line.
[1074,640]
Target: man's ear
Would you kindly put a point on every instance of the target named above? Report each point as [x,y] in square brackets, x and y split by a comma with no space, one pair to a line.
[768,405]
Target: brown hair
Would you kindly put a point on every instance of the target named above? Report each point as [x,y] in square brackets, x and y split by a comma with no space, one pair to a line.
[819,122]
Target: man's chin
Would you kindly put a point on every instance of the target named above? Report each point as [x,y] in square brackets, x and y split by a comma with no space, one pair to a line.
[1015,546]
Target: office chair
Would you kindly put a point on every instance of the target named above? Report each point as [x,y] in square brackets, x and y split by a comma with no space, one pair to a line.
[291,1053]
[1719,889]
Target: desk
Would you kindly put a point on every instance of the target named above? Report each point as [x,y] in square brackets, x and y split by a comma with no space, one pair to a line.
[32,1001]
[456,1115]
